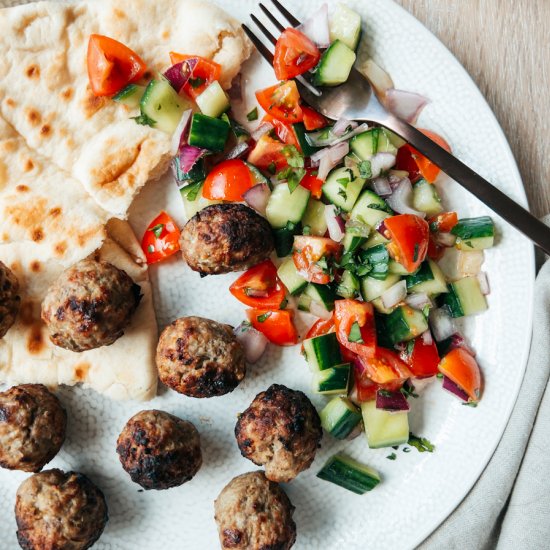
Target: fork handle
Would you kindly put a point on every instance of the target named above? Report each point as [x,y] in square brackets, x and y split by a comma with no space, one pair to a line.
[495,199]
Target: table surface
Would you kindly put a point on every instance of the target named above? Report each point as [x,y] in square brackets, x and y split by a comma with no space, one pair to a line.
[505,46]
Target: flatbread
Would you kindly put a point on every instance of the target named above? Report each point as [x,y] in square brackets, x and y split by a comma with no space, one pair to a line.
[46,97]
[124,370]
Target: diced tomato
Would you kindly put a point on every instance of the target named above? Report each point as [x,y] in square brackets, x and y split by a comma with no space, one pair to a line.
[461,367]
[161,239]
[366,388]
[260,287]
[268,154]
[404,160]
[111,65]
[312,119]
[435,251]
[423,360]
[309,251]
[348,313]
[313,184]
[410,236]
[294,54]
[384,367]
[284,131]
[320,327]
[282,102]
[228,181]
[443,222]
[204,73]
[276,326]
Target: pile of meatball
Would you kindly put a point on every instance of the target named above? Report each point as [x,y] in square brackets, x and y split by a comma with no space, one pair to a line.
[89,306]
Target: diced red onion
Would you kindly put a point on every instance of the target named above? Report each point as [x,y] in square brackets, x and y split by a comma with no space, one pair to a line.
[381,162]
[252,340]
[418,301]
[427,338]
[179,74]
[382,187]
[335,224]
[458,341]
[401,198]
[457,391]
[235,93]
[395,294]
[445,239]
[317,309]
[257,197]
[405,105]
[382,229]
[180,133]
[380,80]
[316,27]
[392,401]
[483,283]
[189,155]
[331,158]
[238,151]
[441,324]
[342,125]
[261,130]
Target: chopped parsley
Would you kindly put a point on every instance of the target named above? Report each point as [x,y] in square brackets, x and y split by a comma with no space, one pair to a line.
[355,334]
[365,169]
[196,82]
[420,443]
[144,120]
[283,304]
[157,230]
[306,230]
[385,393]
[264,316]
[408,390]
[252,115]
[393,456]
[439,375]
[150,249]
[294,158]
[343,194]
[406,450]
[343,182]
[293,177]
[469,243]
[271,168]
[190,192]
[470,404]
[410,347]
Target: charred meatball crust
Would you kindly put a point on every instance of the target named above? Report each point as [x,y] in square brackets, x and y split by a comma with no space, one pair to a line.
[225,237]
[253,513]
[89,305]
[58,510]
[281,430]
[200,358]
[159,450]
[32,427]
[9,299]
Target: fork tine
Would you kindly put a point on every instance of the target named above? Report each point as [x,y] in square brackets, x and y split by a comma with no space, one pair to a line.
[272,18]
[266,54]
[290,18]
[260,25]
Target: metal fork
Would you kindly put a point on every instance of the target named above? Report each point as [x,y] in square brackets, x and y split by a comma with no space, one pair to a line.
[355,100]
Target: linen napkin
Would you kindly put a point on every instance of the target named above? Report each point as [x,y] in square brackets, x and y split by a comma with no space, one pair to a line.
[509,506]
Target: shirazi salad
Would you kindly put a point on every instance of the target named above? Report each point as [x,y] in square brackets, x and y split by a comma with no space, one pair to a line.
[363,241]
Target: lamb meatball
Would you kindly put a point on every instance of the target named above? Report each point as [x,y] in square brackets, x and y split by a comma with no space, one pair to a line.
[9,299]
[200,358]
[281,430]
[254,513]
[32,427]
[89,305]
[159,450]
[58,510]
[225,237]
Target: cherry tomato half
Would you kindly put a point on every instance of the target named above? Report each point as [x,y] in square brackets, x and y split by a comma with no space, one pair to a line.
[295,54]
[410,236]
[282,102]
[161,239]
[228,181]
[277,326]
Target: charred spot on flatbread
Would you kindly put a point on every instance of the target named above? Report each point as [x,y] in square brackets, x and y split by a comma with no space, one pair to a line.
[35,340]
[28,166]
[37,234]
[46,130]
[10,102]
[54,212]
[33,117]
[60,248]
[66,94]
[92,103]
[114,166]
[81,371]
[32,71]
[35,266]
[22,188]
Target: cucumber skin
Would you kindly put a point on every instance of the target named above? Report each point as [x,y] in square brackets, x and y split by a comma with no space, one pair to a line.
[474,228]
[326,345]
[347,417]
[399,328]
[347,474]
[208,133]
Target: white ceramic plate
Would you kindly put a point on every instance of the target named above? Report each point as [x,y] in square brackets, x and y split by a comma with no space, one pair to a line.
[418,490]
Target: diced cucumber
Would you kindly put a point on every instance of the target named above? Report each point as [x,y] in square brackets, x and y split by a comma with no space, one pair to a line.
[395,140]
[429,279]
[304,302]
[208,133]
[322,352]
[163,105]
[404,324]
[365,145]
[314,218]
[349,474]
[356,235]
[196,174]
[334,380]
[321,294]
[290,277]
[305,145]
[425,198]
[465,298]
[213,101]
[335,65]
[474,233]
[397,268]
[370,209]
[342,188]
[381,308]
[375,239]
[383,428]
[348,287]
[193,203]
[378,258]
[340,417]
[284,238]
[284,206]
[130,95]
[385,144]
[374,288]
[345,25]
[257,176]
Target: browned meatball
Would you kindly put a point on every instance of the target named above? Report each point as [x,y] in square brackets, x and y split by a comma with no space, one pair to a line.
[281,430]
[254,513]
[89,305]
[59,511]
[159,450]
[225,237]
[9,299]
[32,427]
[200,358]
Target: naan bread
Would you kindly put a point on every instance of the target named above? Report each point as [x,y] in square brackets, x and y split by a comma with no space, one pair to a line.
[124,370]
[46,97]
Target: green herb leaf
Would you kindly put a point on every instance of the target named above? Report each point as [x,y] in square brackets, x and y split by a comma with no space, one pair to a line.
[408,390]
[421,444]
[393,456]
[191,192]
[271,168]
[415,255]
[439,375]
[434,227]
[469,243]
[264,316]
[470,404]
[385,393]
[343,194]
[406,450]
[355,334]
[410,347]
[144,120]
[294,158]
[157,230]
[306,230]
[283,304]
[365,169]
[395,447]
[150,249]
[252,115]
[343,182]
[196,82]
[426,311]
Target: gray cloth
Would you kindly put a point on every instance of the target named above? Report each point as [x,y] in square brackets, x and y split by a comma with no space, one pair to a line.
[509,506]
